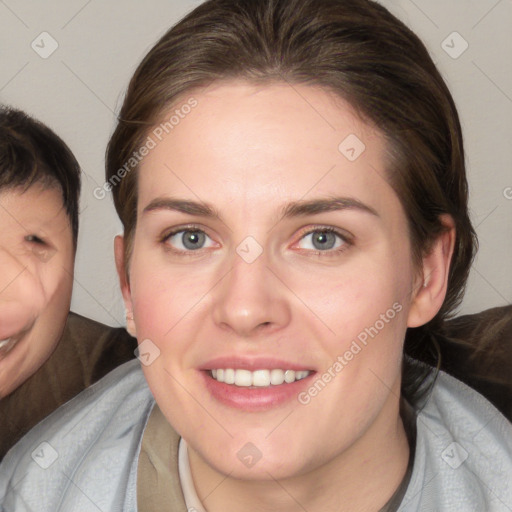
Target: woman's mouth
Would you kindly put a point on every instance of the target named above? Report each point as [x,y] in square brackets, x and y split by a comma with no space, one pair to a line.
[258,378]
[255,388]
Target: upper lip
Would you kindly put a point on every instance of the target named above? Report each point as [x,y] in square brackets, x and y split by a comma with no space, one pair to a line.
[252,363]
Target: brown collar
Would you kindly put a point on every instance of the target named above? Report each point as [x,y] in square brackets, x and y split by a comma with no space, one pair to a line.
[158,481]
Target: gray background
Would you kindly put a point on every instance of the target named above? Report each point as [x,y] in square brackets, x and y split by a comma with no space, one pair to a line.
[78,88]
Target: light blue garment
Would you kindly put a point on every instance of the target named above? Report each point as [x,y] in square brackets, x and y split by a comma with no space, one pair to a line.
[96,440]
[90,446]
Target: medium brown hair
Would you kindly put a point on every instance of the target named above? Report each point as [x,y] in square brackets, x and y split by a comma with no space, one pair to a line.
[354,48]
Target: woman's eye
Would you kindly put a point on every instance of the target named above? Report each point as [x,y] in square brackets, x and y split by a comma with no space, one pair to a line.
[35,239]
[189,240]
[322,240]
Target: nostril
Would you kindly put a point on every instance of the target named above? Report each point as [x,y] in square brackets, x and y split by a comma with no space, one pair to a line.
[264,325]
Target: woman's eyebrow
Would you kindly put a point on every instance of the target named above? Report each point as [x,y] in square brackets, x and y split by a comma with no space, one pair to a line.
[199,209]
[316,206]
[293,209]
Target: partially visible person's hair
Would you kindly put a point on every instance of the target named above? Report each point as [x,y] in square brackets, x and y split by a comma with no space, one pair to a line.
[359,51]
[31,153]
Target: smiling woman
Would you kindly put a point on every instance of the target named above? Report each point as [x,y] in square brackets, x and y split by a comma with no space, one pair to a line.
[299,231]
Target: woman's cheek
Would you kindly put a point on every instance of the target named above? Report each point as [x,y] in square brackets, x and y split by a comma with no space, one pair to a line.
[161,299]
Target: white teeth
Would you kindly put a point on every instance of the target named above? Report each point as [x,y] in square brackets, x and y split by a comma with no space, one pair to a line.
[4,342]
[243,378]
[261,378]
[229,376]
[289,376]
[258,378]
[276,377]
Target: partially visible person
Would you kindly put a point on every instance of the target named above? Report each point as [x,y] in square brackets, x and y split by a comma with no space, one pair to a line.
[39,202]
[39,196]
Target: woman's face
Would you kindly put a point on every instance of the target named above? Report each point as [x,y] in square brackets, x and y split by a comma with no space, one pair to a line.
[268,240]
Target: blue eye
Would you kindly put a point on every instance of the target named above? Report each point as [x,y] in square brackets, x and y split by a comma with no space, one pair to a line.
[324,240]
[188,240]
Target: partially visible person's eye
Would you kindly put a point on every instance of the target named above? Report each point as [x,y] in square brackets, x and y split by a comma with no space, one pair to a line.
[187,240]
[324,240]
[35,239]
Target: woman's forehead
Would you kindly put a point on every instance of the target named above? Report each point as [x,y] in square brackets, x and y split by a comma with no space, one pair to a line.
[247,139]
[235,98]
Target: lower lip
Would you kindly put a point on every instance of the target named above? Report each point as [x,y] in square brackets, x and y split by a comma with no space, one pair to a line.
[254,398]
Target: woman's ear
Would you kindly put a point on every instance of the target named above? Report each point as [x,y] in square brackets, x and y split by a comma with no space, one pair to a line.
[119,253]
[430,287]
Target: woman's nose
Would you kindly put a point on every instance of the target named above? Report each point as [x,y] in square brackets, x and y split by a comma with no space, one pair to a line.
[251,299]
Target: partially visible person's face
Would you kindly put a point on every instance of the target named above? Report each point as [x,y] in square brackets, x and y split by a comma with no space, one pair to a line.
[36,277]
[264,246]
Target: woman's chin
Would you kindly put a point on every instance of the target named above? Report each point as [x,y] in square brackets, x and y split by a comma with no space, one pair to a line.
[255,461]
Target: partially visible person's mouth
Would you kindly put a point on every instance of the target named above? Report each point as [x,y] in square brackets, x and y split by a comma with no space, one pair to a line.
[12,338]
[7,345]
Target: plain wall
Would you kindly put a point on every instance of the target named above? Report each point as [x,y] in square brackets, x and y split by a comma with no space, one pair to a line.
[78,89]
